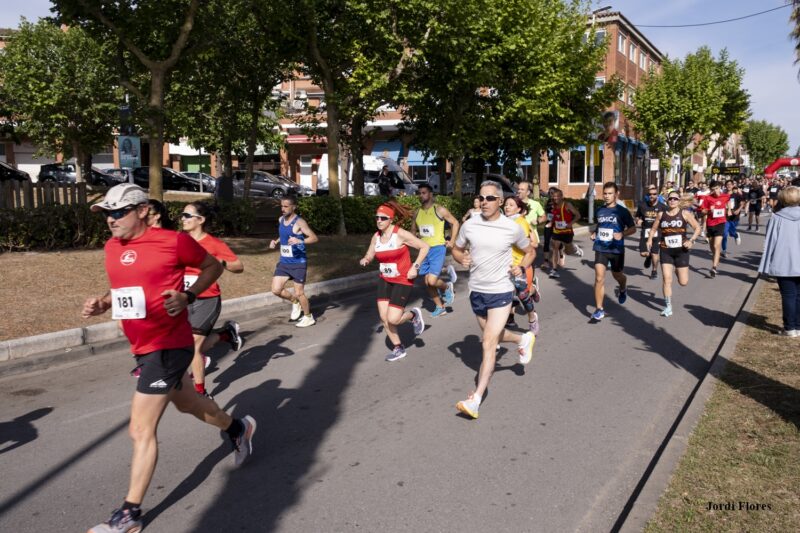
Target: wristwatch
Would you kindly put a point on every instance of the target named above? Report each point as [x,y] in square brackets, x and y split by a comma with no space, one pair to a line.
[190,296]
[415,266]
[224,264]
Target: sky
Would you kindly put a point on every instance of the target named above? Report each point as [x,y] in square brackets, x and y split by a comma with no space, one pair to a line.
[761,44]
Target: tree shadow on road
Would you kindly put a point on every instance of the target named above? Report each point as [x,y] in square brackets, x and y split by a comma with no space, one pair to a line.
[21,430]
[251,360]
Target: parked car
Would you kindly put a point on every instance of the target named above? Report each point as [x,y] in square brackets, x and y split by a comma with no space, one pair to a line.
[7,172]
[66,173]
[468,185]
[124,175]
[264,184]
[399,181]
[304,190]
[209,182]
[171,180]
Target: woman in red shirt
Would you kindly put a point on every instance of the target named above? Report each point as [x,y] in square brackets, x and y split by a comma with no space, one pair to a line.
[389,246]
[205,310]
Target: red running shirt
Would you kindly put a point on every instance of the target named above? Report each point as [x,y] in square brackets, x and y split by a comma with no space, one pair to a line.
[715,208]
[220,251]
[562,219]
[395,261]
[150,265]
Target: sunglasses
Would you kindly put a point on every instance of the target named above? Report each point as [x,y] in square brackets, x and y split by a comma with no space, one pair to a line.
[187,216]
[382,218]
[673,199]
[117,214]
[488,198]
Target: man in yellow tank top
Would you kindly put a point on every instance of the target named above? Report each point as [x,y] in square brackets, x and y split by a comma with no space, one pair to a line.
[429,223]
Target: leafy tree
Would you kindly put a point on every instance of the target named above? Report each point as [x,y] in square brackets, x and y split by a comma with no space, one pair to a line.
[764,142]
[735,106]
[152,36]
[55,84]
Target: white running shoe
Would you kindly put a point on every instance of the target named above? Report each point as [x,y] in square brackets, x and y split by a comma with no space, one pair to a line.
[297,311]
[738,239]
[417,321]
[469,406]
[578,251]
[307,320]
[451,271]
[525,348]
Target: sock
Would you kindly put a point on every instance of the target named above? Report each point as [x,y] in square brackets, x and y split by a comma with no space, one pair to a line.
[668,302]
[200,388]
[133,508]
[235,429]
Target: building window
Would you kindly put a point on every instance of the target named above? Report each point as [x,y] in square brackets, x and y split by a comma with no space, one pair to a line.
[577,166]
[621,43]
[622,93]
[632,52]
[599,82]
[631,92]
[599,37]
[642,60]
[552,167]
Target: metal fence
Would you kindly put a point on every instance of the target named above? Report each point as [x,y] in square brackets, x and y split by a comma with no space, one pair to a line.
[27,195]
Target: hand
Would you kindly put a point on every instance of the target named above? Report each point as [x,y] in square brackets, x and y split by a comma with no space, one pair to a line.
[93,307]
[592,236]
[516,271]
[617,236]
[364,262]
[449,244]
[688,243]
[412,272]
[293,240]
[272,244]
[175,301]
[466,260]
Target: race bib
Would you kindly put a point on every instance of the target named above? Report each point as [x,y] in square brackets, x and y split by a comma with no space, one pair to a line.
[426,230]
[746,190]
[754,200]
[647,232]
[127,303]
[673,241]
[731,204]
[550,217]
[560,224]
[717,213]
[389,270]
[286,250]
[605,234]
[773,189]
[188,281]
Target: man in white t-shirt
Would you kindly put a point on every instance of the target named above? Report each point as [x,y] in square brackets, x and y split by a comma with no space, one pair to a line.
[490,238]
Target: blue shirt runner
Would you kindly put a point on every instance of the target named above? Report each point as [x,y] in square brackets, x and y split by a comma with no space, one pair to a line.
[611,220]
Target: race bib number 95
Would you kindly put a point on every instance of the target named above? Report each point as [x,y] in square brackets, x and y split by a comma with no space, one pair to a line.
[128,303]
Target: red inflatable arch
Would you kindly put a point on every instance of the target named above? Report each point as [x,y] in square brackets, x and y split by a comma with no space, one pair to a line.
[781,162]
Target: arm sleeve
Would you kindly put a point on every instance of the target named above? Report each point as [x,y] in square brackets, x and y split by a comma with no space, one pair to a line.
[628,219]
[223,252]
[189,252]
[461,240]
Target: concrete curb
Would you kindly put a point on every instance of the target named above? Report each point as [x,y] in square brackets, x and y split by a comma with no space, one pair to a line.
[657,482]
[96,335]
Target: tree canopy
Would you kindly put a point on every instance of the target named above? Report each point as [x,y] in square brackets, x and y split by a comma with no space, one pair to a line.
[56,87]
[765,142]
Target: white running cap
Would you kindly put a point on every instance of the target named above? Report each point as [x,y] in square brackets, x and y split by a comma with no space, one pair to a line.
[120,196]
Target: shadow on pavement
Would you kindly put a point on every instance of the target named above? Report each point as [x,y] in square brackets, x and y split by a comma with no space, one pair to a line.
[710,317]
[21,431]
[251,360]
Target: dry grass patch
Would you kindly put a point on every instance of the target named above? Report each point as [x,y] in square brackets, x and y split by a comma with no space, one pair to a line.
[44,291]
[743,458]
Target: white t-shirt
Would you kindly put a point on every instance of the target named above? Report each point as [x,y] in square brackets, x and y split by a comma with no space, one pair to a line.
[490,248]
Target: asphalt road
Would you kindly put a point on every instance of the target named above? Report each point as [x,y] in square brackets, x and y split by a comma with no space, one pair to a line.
[348,442]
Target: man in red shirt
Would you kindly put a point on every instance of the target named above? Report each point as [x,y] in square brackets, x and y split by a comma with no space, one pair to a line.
[145,268]
[716,210]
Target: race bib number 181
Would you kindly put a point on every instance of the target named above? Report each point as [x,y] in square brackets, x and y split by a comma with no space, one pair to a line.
[128,303]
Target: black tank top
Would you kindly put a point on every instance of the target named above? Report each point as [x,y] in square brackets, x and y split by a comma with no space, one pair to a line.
[672,226]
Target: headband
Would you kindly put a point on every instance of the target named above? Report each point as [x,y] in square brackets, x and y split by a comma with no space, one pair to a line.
[386,210]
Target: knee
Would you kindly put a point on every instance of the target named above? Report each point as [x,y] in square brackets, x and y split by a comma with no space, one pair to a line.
[277,291]
[683,282]
[140,433]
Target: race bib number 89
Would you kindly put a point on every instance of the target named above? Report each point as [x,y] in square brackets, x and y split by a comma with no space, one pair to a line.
[389,270]
[128,303]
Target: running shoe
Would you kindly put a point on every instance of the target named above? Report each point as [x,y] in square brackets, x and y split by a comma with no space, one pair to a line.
[296,311]
[724,255]
[232,328]
[738,239]
[654,274]
[554,274]
[598,315]
[469,407]
[756,227]
[439,311]
[525,347]
[648,261]
[417,321]
[449,294]
[121,521]
[578,251]
[307,320]
[790,332]
[398,353]
[622,296]
[713,273]
[206,361]
[534,325]
[537,292]
[749,228]
[243,444]
[451,272]
[667,311]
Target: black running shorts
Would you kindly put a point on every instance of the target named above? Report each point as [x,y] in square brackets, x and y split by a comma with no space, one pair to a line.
[675,256]
[161,371]
[754,208]
[716,231]
[653,248]
[395,293]
[566,238]
[616,262]
[203,314]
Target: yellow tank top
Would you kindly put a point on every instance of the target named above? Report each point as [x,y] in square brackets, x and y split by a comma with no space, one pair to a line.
[516,253]
[430,226]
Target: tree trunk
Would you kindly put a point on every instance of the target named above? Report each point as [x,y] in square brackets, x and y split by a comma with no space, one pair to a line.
[441,166]
[251,141]
[156,122]
[536,172]
[458,170]
[357,155]
[332,131]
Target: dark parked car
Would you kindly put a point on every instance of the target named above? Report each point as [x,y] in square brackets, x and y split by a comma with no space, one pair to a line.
[123,175]
[209,182]
[171,180]
[7,172]
[65,173]
[302,190]
[264,184]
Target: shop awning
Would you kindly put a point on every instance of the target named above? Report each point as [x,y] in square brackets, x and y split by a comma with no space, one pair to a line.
[416,158]
[390,149]
[303,139]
